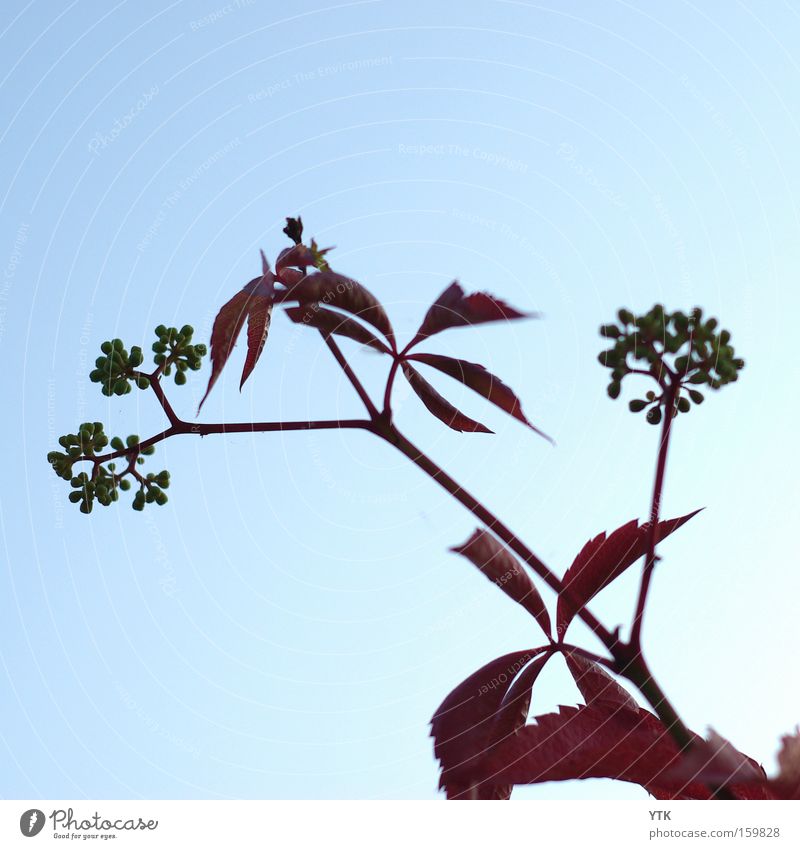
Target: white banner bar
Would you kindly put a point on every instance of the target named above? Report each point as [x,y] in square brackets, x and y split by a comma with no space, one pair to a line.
[404,825]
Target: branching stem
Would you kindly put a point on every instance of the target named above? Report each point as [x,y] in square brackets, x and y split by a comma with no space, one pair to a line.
[625,658]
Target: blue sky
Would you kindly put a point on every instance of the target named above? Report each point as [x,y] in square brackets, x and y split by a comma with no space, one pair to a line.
[287,624]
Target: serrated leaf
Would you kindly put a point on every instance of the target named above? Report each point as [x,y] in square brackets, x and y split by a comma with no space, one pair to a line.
[259,316]
[455,309]
[463,726]
[513,712]
[596,685]
[224,333]
[786,785]
[477,378]
[716,762]
[439,406]
[330,321]
[602,560]
[254,302]
[330,288]
[503,569]
[598,741]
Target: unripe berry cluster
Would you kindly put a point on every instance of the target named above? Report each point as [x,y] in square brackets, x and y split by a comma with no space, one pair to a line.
[104,482]
[173,347]
[89,439]
[152,490]
[115,369]
[102,486]
[678,348]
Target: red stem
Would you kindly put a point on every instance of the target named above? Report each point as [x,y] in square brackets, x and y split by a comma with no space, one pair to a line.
[351,376]
[627,659]
[655,507]
[392,435]
[387,395]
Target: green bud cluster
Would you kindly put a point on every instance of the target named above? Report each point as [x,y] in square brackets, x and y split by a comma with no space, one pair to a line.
[687,347]
[88,441]
[174,347]
[101,487]
[114,370]
[152,491]
[105,482]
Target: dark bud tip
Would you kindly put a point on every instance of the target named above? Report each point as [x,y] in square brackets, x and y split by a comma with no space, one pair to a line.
[294,229]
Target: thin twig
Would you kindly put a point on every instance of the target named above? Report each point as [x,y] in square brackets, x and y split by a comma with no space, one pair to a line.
[351,375]
[392,435]
[655,507]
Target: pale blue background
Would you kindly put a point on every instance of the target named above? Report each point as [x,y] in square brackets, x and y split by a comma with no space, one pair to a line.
[286,626]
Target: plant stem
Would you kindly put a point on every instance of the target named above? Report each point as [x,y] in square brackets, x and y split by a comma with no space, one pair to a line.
[351,376]
[655,506]
[638,673]
[627,658]
[181,427]
[630,666]
[387,395]
[392,435]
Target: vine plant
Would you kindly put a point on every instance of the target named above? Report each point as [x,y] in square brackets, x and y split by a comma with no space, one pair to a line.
[482,736]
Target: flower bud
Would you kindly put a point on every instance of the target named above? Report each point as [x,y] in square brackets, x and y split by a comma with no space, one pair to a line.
[654,415]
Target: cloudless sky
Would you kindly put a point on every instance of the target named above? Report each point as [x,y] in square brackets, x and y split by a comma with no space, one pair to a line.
[288,623]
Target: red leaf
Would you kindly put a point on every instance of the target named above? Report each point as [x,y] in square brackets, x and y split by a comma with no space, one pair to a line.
[259,316]
[224,333]
[717,763]
[596,685]
[463,726]
[787,783]
[253,302]
[481,381]
[513,713]
[299,256]
[510,717]
[439,406]
[603,740]
[330,321]
[602,560]
[334,289]
[503,569]
[455,309]
[597,741]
